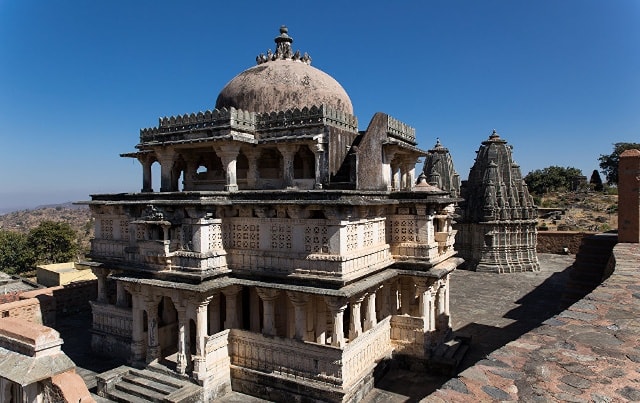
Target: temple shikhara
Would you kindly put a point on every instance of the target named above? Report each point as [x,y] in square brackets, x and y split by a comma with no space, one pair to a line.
[283,252]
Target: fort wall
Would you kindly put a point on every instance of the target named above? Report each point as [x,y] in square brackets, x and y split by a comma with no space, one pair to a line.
[557,241]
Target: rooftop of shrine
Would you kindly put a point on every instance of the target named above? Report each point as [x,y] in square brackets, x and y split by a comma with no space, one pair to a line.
[280,125]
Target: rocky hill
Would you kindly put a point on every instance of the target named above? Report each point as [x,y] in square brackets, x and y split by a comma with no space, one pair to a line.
[578,211]
[77,216]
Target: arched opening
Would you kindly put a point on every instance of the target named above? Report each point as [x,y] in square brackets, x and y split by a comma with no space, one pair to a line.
[192,337]
[155,175]
[209,174]
[242,170]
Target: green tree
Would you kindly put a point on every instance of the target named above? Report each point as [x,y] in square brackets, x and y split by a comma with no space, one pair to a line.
[551,179]
[596,181]
[53,242]
[609,163]
[15,255]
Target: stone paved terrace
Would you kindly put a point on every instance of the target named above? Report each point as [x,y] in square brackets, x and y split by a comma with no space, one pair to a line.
[588,353]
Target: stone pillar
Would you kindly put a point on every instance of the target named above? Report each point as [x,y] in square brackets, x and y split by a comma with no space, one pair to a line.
[137,331]
[337,305]
[288,151]
[153,343]
[320,325]
[146,161]
[5,390]
[407,295]
[231,296]
[440,307]
[253,174]
[299,301]
[101,273]
[166,158]
[228,153]
[629,197]
[200,360]
[370,319]
[355,325]
[395,177]
[183,326]
[214,313]
[268,297]
[191,168]
[426,305]
[318,153]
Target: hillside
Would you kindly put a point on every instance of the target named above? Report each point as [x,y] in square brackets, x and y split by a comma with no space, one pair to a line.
[77,216]
[578,211]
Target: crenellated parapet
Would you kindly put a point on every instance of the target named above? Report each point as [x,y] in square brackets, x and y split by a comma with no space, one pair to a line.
[211,120]
[401,131]
[299,118]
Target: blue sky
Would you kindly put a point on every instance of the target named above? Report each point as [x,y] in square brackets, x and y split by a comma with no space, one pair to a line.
[558,79]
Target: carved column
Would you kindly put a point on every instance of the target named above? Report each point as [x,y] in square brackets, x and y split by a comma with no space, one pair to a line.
[252,173]
[426,304]
[200,360]
[299,301]
[231,296]
[320,321]
[137,331]
[355,325]
[228,153]
[407,295]
[101,273]
[166,158]
[395,177]
[337,305]
[153,343]
[191,168]
[268,297]
[288,151]
[370,319]
[146,160]
[183,325]
[318,153]
[441,304]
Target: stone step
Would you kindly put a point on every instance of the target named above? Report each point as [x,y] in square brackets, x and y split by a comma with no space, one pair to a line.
[139,391]
[161,377]
[151,384]
[124,397]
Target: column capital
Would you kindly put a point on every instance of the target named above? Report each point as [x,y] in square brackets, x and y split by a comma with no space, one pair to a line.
[231,290]
[298,298]
[336,304]
[288,149]
[267,294]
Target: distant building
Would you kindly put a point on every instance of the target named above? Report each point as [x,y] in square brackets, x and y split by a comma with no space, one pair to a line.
[497,231]
[287,253]
[51,275]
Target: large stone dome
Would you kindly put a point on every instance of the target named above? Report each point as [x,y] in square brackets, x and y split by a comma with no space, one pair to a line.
[283,80]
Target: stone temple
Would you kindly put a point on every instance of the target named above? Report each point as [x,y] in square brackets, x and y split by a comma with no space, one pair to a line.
[285,253]
[497,231]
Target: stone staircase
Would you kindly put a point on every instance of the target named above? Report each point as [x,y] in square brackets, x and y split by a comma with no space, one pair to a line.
[151,384]
[589,268]
[446,358]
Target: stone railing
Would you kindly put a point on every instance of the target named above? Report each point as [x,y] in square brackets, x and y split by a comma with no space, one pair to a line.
[108,248]
[402,131]
[361,354]
[111,319]
[217,353]
[321,363]
[286,357]
[408,335]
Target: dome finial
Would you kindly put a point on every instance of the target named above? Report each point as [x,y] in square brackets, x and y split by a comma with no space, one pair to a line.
[283,49]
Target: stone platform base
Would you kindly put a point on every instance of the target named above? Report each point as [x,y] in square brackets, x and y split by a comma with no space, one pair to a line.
[278,388]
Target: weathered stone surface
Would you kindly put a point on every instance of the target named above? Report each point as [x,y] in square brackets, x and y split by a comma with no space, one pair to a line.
[496,393]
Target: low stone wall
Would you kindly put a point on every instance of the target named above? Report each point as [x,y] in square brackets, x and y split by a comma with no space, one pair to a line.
[67,299]
[588,352]
[556,241]
[26,309]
